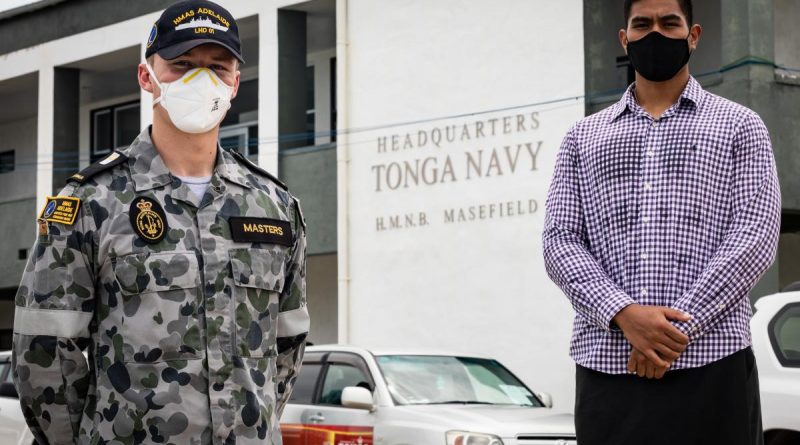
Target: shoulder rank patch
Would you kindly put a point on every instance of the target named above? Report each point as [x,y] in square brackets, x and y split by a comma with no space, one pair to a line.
[115,158]
[261,230]
[148,219]
[252,166]
[61,209]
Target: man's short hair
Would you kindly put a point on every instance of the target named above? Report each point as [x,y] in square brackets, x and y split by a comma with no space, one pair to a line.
[686,7]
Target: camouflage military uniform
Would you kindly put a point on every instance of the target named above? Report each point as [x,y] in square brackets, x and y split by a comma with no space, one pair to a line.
[194,339]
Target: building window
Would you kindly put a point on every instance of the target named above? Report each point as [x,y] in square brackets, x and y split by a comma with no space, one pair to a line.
[240,137]
[311,118]
[333,99]
[114,127]
[7,161]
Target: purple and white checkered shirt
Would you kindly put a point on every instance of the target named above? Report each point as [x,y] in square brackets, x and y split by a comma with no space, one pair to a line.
[682,211]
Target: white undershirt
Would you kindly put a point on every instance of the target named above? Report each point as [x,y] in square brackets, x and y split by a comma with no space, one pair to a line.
[198,185]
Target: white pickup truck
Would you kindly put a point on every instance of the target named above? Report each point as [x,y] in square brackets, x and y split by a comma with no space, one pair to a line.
[776,344]
[353,396]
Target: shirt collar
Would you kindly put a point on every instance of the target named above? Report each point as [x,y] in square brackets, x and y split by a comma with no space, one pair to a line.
[692,94]
[149,171]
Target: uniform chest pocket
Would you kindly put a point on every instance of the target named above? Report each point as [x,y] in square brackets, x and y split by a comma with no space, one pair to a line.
[161,306]
[259,276]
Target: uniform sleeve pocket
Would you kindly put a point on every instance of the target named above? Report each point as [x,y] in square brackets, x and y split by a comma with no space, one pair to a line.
[143,273]
[258,268]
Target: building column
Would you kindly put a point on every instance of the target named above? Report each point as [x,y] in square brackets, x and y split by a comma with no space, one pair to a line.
[343,171]
[44,136]
[66,128]
[268,88]
[747,32]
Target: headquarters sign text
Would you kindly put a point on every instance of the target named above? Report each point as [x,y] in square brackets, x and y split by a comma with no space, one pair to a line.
[477,150]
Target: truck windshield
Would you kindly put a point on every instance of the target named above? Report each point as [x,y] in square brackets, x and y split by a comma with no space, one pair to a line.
[431,380]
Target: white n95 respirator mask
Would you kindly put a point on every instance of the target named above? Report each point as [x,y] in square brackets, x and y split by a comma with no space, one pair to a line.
[195,103]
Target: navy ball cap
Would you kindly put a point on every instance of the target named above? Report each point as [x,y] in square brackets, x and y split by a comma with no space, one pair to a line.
[192,23]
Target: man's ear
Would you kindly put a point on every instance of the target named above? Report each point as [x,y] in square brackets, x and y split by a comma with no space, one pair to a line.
[694,36]
[145,80]
[623,40]
[236,81]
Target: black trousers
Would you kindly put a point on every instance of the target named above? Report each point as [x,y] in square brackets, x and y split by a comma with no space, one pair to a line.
[714,404]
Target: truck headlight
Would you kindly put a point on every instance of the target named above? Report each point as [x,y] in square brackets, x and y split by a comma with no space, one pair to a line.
[468,438]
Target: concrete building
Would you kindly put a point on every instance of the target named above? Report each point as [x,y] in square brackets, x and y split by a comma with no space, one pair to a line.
[420,137]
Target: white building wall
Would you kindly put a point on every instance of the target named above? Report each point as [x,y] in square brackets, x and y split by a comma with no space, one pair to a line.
[97,42]
[472,285]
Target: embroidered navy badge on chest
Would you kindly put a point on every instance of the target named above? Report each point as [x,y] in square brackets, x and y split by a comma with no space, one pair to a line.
[261,230]
[148,220]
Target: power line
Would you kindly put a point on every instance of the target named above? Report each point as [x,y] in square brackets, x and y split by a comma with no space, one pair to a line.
[65,161]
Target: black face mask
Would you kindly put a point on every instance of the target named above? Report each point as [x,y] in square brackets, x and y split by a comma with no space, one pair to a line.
[657,57]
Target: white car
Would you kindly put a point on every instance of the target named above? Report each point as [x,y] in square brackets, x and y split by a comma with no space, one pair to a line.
[13,429]
[776,344]
[351,396]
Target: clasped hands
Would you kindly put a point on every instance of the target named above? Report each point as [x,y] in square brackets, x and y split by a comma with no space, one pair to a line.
[656,342]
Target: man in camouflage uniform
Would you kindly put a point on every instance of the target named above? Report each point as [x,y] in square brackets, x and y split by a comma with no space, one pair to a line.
[190,307]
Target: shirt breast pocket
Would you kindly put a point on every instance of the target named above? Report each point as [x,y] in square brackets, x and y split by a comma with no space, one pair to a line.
[698,174]
[161,307]
[259,277]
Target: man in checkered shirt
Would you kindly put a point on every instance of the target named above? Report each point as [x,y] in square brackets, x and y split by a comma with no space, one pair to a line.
[663,213]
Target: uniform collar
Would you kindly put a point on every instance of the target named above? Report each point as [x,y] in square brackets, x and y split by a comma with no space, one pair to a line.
[149,171]
[692,96]
[147,168]
[230,169]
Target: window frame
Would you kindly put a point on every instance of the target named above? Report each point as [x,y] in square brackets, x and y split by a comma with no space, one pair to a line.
[316,386]
[346,358]
[112,111]
[773,339]
[334,110]
[237,130]
[310,139]
[116,109]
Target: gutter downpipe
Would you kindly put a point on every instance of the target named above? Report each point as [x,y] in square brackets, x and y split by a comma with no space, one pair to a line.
[342,174]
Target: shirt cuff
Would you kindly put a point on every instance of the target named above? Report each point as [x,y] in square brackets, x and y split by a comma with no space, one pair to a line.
[691,328]
[610,307]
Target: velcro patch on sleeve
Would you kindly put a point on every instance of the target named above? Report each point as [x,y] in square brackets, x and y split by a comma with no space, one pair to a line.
[61,209]
[261,230]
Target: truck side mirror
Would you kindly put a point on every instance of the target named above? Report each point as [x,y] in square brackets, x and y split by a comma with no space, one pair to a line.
[546,399]
[358,398]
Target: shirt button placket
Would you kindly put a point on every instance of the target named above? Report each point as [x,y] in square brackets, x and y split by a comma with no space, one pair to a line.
[648,167]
